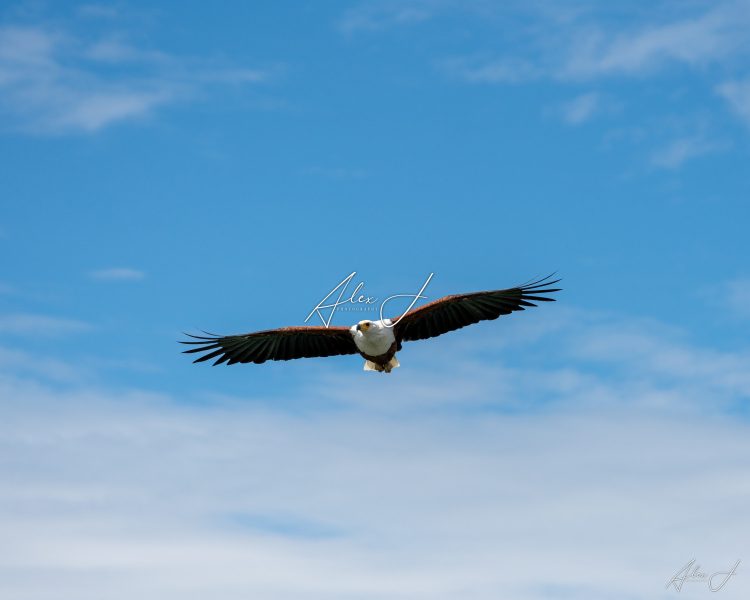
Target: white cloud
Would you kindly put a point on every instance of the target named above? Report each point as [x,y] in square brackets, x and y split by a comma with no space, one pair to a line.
[678,151]
[44,367]
[577,455]
[52,81]
[737,296]
[372,16]
[664,360]
[699,41]
[96,111]
[116,50]
[581,108]
[589,43]
[39,325]
[118,274]
[592,362]
[597,43]
[498,70]
[98,11]
[136,493]
[737,94]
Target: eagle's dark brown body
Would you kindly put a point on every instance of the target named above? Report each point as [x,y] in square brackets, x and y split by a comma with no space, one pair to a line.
[383,360]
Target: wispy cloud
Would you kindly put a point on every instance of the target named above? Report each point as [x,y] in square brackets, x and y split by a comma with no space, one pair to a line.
[648,352]
[498,70]
[98,11]
[24,364]
[52,81]
[698,41]
[737,94]
[117,274]
[596,43]
[373,16]
[591,362]
[679,151]
[581,108]
[116,50]
[40,325]
[736,296]
[100,485]
[588,44]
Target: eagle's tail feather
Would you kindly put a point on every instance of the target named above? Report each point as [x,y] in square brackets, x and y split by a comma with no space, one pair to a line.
[391,364]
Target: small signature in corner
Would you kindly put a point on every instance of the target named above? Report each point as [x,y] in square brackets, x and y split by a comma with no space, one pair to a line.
[692,572]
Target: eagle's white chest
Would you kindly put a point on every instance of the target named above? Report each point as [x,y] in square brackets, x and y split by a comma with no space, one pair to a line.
[376,340]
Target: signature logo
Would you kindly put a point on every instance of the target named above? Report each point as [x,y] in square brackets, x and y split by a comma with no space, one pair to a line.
[692,572]
[358,300]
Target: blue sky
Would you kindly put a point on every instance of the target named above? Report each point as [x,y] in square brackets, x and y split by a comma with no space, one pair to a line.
[173,167]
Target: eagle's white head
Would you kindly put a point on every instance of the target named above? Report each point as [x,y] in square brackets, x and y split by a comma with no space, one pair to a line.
[373,329]
[378,333]
[364,326]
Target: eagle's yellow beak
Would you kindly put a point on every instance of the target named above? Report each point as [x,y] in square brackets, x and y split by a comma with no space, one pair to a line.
[363,326]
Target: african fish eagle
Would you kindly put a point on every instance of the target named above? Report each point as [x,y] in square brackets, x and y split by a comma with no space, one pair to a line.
[376,341]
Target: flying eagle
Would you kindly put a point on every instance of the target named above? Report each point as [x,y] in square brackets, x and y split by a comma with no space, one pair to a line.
[376,341]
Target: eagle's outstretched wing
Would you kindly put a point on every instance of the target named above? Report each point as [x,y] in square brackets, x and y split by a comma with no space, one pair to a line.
[274,344]
[453,312]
